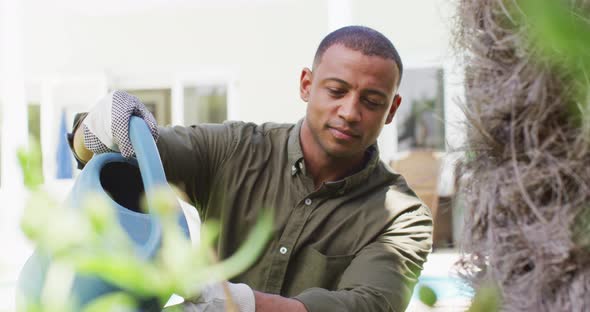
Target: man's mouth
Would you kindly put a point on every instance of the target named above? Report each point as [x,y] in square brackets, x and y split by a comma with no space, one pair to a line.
[343,133]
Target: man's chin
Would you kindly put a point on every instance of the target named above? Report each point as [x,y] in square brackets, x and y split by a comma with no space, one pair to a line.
[340,152]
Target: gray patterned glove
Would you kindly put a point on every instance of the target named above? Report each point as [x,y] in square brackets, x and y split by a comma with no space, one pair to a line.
[106,128]
[213,299]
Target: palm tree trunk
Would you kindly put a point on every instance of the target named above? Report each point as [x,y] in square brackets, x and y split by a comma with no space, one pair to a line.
[525,179]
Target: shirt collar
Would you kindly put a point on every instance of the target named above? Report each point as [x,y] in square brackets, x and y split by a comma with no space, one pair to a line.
[294,148]
[295,158]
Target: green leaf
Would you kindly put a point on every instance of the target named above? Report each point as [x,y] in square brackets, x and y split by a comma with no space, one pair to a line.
[562,31]
[487,299]
[58,284]
[559,29]
[92,242]
[209,232]
[161,201]
[100,215]
[427,295]
[53,227]
[124,271]
[238,262]
[31,164]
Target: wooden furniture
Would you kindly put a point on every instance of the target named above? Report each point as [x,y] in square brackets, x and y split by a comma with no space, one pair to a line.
[421,169]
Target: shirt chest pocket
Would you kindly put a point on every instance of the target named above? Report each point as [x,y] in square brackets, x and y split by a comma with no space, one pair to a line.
[310,268]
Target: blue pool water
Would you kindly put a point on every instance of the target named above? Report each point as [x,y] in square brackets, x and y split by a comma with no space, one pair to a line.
[445,287]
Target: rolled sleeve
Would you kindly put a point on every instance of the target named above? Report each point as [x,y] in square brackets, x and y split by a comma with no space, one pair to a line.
[382,275]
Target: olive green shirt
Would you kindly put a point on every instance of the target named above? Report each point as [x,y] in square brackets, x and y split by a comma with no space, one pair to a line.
[357,244]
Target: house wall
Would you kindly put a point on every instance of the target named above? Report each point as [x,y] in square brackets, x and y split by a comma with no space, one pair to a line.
[262,45]
[74,51]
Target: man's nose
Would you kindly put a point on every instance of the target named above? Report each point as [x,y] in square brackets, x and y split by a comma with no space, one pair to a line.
[349,109]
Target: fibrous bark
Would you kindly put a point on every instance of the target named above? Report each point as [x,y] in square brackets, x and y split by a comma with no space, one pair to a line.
[525,179]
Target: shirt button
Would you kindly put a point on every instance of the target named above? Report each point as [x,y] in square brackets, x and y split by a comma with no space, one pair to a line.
[308,201]
[283,250]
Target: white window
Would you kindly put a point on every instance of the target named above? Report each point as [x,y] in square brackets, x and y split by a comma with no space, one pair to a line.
[205,104]
[420,119]
[184,98]
[157,101]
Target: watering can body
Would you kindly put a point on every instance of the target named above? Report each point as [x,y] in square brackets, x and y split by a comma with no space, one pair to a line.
[123,181]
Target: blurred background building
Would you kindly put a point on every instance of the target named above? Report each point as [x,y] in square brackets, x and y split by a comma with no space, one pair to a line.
[209,61]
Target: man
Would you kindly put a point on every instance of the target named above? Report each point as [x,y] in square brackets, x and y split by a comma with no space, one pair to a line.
[349,234]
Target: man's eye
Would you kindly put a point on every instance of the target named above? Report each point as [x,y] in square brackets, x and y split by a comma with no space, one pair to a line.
[372,103]
[336,92]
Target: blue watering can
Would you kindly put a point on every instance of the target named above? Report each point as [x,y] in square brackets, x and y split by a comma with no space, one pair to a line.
[121,180]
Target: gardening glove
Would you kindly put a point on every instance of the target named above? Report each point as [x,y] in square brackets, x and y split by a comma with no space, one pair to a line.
[106,127]
[213,299]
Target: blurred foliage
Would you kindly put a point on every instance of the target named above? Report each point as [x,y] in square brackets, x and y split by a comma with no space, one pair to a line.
[30,162]
[427,295]
[90,240]
[55,293]
[486,299]
[561,29]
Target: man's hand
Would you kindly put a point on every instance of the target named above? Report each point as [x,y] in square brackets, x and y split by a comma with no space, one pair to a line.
[244,299]
[268,303]
[106,127]
[213,298]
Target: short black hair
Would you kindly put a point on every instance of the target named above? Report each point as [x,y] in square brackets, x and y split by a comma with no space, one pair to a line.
[363,39]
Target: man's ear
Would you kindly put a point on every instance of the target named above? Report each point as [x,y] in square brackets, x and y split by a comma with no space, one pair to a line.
[397,101]
[305,84]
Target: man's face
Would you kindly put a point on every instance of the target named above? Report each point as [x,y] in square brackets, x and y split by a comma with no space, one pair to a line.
[350,98]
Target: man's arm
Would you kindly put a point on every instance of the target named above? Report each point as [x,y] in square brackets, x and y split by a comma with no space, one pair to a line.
[269,303]
[383,274]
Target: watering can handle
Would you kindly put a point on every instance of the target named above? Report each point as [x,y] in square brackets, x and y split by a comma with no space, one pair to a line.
[148,158]
[150,164]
